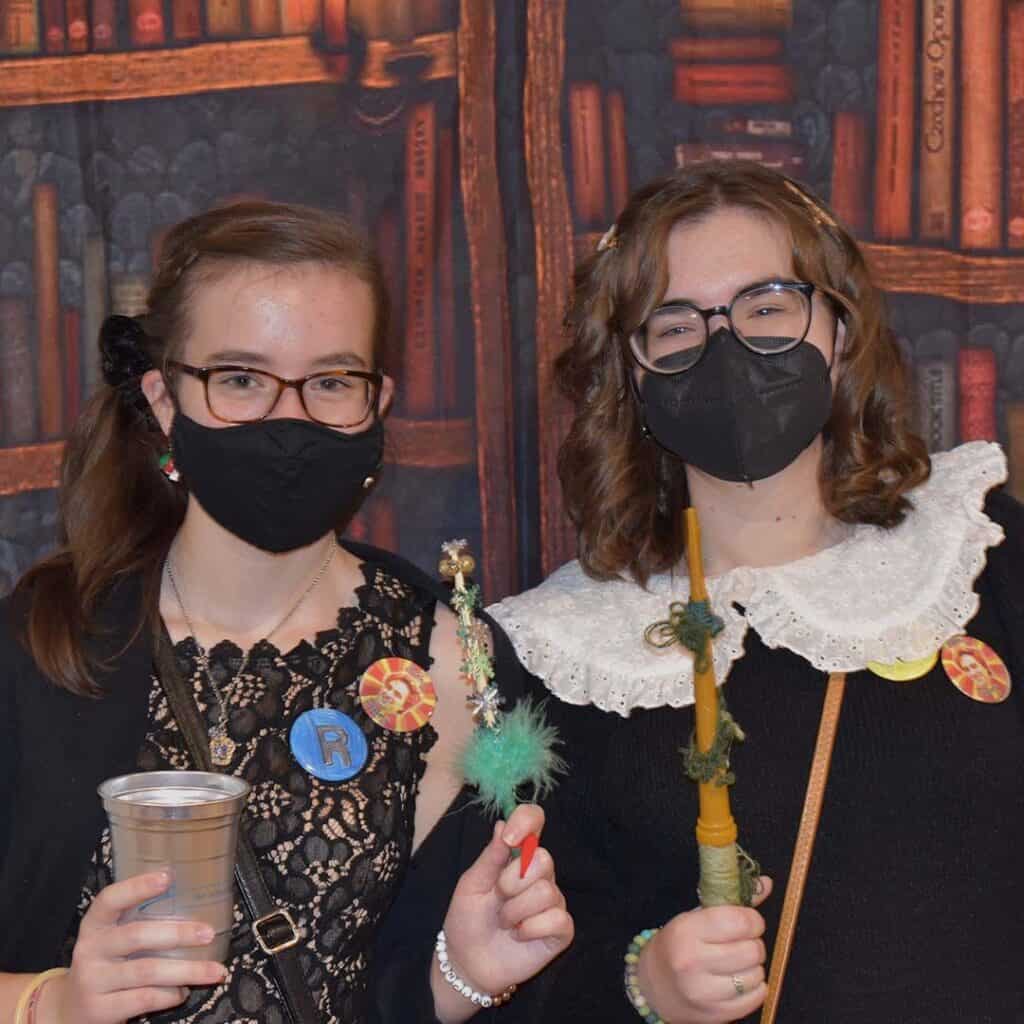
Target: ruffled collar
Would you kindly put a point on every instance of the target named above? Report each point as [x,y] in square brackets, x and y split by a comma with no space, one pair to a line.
[878,595]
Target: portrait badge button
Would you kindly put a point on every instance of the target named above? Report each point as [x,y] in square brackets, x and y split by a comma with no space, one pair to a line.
[397,694]
[976,670]
[328,744]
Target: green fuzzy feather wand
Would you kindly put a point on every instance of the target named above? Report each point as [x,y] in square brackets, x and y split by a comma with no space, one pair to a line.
[509,752]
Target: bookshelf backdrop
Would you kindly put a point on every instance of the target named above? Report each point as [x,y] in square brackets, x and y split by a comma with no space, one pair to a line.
[908,115]
[484,144]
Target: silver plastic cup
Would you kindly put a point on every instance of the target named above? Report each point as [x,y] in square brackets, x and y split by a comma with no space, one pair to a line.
[187,823]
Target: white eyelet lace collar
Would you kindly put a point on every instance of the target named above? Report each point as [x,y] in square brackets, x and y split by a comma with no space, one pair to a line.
[878,595]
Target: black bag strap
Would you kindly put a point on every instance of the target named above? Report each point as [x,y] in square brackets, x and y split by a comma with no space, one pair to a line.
[273,927]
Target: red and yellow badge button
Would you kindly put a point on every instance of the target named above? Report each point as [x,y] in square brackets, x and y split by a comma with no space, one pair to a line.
[976,670]
[397,694]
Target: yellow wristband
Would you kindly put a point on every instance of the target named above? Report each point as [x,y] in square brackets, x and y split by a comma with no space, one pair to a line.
[20,1014]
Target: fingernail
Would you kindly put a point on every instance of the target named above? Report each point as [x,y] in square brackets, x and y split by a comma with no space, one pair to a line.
[527,849]
[164,877]
[184,993]
[204,933]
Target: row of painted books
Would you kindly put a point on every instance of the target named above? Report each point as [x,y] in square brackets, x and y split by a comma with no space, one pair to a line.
[53,27]
[47,342]
[56,27]
[950,116]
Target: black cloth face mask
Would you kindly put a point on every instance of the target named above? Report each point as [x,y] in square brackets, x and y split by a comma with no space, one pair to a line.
[276,484]
[738,415]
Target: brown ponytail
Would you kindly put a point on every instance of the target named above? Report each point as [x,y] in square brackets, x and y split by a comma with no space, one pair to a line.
[117,511]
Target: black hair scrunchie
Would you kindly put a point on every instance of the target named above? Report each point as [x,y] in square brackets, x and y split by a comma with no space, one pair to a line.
[124,359]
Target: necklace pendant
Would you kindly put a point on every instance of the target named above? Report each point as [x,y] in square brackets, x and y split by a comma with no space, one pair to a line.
[222,749]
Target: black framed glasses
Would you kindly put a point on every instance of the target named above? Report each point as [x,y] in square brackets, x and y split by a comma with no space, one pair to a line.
[768,318]
[243,394]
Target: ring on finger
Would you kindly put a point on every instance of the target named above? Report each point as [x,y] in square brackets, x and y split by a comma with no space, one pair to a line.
[737,984]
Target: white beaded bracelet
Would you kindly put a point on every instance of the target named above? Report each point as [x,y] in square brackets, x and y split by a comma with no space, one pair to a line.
[464,988]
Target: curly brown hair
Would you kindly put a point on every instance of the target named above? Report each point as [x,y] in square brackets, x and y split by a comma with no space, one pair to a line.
[622,491]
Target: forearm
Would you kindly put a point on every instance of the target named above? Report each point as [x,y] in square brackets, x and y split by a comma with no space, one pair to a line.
[449,1006]
[11,988]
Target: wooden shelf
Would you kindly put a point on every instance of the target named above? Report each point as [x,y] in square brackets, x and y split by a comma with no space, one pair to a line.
[424,444]
[997,279]
[144,74]
[211,67]
[955,275]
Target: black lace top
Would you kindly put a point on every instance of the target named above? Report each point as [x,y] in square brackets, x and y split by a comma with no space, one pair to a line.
[336,851]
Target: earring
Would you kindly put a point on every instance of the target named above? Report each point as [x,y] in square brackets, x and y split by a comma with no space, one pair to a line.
[368,483]
[167,466]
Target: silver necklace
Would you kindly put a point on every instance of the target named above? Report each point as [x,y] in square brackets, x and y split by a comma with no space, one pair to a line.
[222,746]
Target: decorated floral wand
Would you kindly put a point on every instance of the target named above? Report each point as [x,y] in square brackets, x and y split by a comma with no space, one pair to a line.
[509,750]
[727,873]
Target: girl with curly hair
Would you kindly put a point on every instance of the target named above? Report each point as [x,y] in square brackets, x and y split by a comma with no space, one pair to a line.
[727,350]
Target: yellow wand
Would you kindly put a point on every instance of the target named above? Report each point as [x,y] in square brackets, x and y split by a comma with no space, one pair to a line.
[727,874]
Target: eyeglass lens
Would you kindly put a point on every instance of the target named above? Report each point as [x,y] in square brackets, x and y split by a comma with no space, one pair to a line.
[767,320]
[334,399]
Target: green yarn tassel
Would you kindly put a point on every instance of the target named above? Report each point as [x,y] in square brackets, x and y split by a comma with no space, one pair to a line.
[692,625]
[518,755]
[713,764]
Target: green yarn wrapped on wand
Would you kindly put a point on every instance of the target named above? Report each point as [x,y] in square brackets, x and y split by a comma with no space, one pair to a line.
[514,762]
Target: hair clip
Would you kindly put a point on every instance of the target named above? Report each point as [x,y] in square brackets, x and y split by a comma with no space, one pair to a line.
[820,215]
[609,240]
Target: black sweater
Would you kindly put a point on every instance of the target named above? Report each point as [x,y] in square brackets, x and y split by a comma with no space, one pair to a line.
[914,907]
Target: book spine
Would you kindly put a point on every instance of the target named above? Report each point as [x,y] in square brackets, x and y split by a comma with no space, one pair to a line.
[71,323]
[94,308]
[1015,453]
[894,160]
[448,340]
[223,19]
[336,23]
[1015,124]
[77,12]
[128,294]
[978,395]
[720,48]
[264,17]
[387,234]
[19,29]
[430,16]
[758,128]
[724,84]
[735,15]
[18,413]
[586,140]
[781,156]
[936,387]
[420,236]
[850,170]
[45,217]
[299,17]
[147,23]
[54,28]
[187,20]
[981,125]
[618,151]
[938,113]
[104,25]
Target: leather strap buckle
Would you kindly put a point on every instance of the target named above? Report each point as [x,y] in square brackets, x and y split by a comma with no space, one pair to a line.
[271,934]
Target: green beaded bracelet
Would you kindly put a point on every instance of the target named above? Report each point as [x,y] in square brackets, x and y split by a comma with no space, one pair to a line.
[636,998]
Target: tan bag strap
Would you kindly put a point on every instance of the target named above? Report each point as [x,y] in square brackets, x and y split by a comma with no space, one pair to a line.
[804,842]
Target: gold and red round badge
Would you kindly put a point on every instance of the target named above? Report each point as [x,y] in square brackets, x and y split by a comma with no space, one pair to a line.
[397,694]
[975,669]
